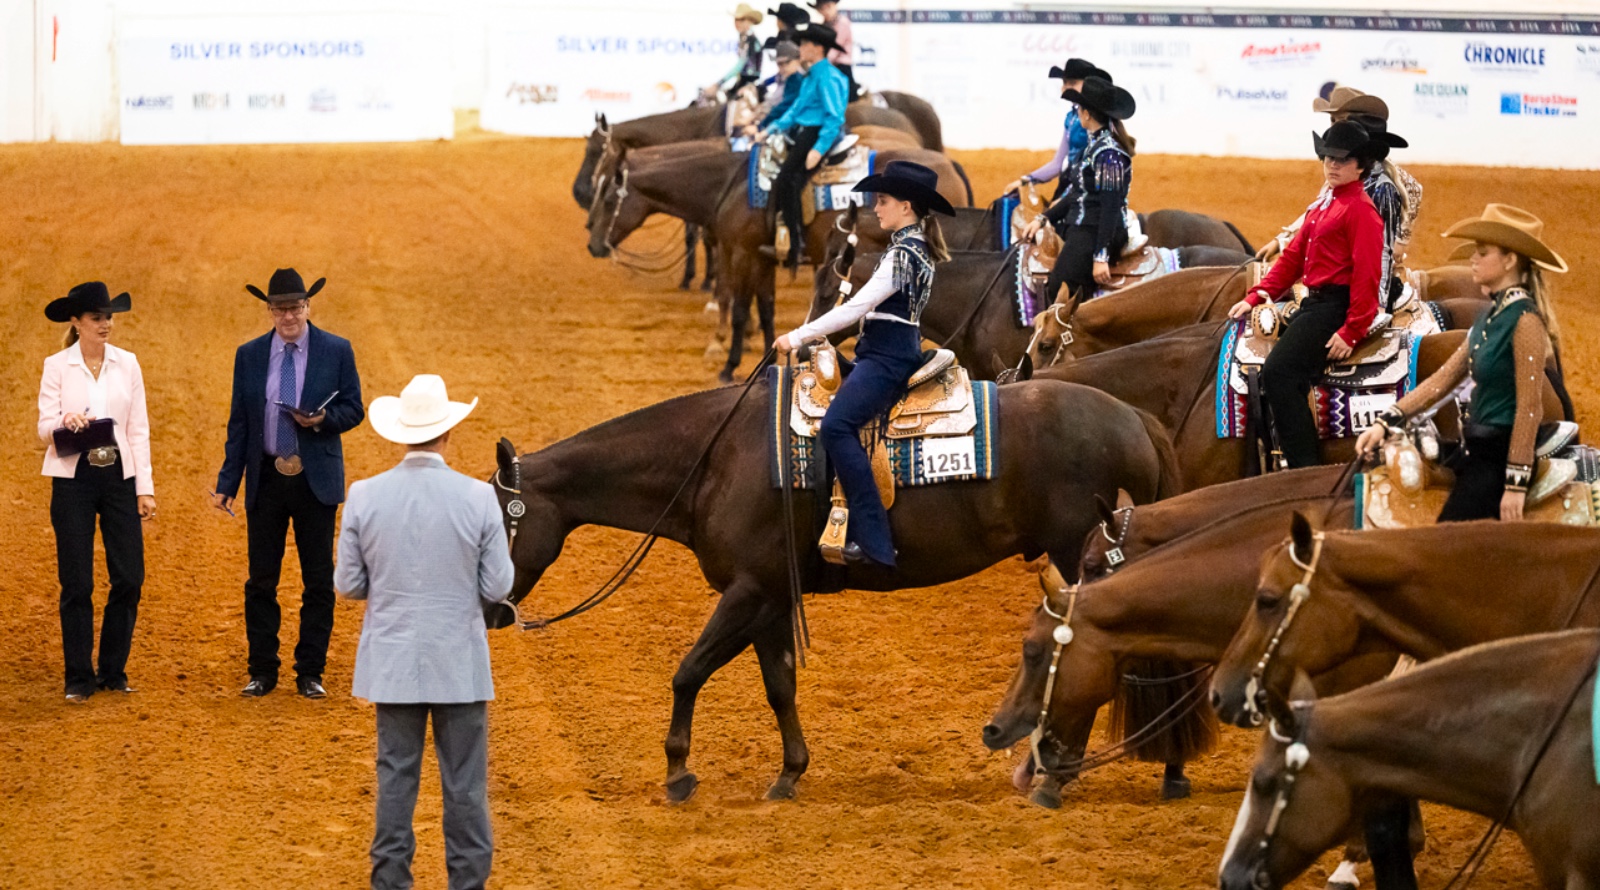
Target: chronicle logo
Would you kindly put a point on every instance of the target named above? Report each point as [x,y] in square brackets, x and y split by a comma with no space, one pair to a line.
[1263,95]
[533,93]
[1503,57]
[151,103]
[210,101]
[1441,99]
[1287,53]
[324,101]
[1151,53]
[1538,105]
[1397,57]
[267,102]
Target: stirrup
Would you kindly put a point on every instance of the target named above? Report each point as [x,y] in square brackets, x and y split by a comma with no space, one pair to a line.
[833,534]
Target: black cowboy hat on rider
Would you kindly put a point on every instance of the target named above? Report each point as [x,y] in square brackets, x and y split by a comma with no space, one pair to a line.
[888,309]
[812,124]
[1338,253]
[1074,138]
[1090,214]
[1506,354]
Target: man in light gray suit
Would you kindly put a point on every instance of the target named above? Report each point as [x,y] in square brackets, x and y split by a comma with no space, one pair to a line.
[424,546]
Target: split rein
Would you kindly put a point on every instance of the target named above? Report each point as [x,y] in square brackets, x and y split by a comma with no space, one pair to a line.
[666,259]
[516,508]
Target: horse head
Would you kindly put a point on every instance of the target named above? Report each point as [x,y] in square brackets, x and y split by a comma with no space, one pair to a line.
[599,139]
[1104,548]
[617,209]
[1300,620]
[1052,334]
[535,529]
[1294,808]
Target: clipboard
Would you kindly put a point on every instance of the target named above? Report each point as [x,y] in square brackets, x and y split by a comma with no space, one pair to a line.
[99,433]
[301,412]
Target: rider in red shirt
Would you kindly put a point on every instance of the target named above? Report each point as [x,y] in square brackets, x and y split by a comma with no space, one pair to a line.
[1338,253]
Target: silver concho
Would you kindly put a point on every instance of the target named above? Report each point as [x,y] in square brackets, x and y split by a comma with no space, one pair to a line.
[516,509]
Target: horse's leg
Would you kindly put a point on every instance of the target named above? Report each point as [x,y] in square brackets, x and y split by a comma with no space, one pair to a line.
[691,237]
[741,321]
[724,636]
[766,305]
[710,281]
[1174,784]
[774,643]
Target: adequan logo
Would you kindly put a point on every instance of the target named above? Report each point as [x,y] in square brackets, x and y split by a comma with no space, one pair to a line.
[1538,105]
[151,103]
[534,93]
[210,101]
[1396,58]
[324,101]
[1440,99]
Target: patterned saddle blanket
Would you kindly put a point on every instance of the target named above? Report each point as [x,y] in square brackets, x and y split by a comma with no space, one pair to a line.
[831,186]
[945,429]
[1351,392]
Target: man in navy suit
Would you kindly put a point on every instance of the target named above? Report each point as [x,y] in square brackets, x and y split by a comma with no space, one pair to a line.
[292,466]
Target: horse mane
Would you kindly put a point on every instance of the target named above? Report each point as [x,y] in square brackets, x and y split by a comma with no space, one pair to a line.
[631,415]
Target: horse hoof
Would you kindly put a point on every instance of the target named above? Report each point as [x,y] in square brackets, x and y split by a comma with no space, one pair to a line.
[783,789]
[685,285]
[1174,789]
[682,787]
[1047,796]
[710,308]
[724,377]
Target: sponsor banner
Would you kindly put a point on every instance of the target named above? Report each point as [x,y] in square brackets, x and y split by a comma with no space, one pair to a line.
[552,70]
[1460,91]
[317,78]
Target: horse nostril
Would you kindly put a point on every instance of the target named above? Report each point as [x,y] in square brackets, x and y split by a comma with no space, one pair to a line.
[1216,700]
[991,732]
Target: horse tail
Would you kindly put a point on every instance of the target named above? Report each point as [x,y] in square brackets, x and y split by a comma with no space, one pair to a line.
[1240,235]
[1169,479]
[962,172]
[1173,694]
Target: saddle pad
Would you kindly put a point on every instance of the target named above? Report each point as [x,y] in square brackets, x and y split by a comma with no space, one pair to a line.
[1026,302]
[1342,405]
[1381,503]
[1158,261]
[1002,219]
[906,456]
[758,181]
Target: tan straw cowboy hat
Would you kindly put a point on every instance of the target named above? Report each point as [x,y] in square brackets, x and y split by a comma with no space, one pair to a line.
[1511,228]
[749,13]
[1349,100]
[423,412]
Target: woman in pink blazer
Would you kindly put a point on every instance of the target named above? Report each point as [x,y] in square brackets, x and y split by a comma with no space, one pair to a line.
[88,380]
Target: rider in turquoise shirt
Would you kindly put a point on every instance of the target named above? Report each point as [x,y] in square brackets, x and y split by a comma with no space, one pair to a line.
[813,124]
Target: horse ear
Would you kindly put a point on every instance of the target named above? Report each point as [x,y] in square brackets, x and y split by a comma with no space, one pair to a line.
[1124,500]
[1300,536]
[1025,372]
[1064,295]
[1107,515]
[505,455]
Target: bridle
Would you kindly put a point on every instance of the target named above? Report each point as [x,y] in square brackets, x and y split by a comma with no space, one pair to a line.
[1255,695]
[1114,555]
[515,508]
[1062,635]
[1067,337]
[664,260]
[1295,758]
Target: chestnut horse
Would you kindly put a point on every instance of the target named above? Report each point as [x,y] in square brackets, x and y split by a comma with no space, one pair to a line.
[1503,730]
[1424,591]
[697,470]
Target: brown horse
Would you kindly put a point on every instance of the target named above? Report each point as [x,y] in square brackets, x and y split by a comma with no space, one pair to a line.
[696,470]
[1502,730]
[1423,591]
[713,191]
[1174,377]
[1186,297]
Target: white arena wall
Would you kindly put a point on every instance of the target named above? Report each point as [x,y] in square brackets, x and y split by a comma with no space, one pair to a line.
[1467,83]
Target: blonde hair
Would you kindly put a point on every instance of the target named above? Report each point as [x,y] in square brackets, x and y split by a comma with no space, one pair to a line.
[70,337]
[934,235]
[1539,290]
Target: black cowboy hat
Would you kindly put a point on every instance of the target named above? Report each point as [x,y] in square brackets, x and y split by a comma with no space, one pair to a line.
[908,181]
[1078,69]
[818,4]
[1101,96]
[1347,138]
[1379,128]
[790,14]
[822,35]
[286,287]
[91,296]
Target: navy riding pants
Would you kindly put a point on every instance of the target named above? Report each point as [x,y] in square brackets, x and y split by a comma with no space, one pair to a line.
[886,355]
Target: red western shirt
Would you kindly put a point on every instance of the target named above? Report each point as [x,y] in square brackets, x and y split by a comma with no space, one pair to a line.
[1341,242]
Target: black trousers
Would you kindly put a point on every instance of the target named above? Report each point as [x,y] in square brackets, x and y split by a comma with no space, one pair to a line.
[281,501]
[1075,264]
[849,72]
[1293,366]
[1480,469]
[75,504]
[792,178]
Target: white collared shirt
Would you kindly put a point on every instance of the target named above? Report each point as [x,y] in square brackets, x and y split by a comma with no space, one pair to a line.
[97,386]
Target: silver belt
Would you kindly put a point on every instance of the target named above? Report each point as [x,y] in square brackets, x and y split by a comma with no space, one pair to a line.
[104,456]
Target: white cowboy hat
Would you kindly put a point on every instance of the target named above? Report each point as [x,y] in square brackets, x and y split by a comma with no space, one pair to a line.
[421,413]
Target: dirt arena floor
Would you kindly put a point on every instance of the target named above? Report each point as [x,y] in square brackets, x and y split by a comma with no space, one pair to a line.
[466,259]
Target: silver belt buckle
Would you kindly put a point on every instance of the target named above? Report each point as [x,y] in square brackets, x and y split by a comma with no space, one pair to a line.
[288,466]
[104,456]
